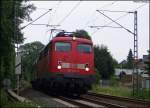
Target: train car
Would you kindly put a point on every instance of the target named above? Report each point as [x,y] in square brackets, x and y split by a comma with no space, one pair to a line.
[66,64]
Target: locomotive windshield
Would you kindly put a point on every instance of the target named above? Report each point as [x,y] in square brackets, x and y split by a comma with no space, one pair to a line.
[84,48]
[62,46]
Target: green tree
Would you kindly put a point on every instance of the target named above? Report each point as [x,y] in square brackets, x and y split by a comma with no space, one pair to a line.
[97,76]
[129,64]
[115,63]
[30,52]
[123,64]
[103,61]
[82,34]
[12,15]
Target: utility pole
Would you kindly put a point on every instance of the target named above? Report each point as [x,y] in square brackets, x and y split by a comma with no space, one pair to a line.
[135,64]
[18,59]
[135,74]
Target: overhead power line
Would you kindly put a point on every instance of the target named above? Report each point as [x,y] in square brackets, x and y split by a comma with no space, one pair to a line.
[118,18]
[140,6]
[115,22]
[107,5]
[51,17]
[46,25]
[110,22]
[69,13]
[115,11]
[104,26]
[124,11]
[36,19]
[42,8]
[55,10]
[104,6]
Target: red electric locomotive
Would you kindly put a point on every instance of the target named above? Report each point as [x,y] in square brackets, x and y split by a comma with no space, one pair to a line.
[65,64]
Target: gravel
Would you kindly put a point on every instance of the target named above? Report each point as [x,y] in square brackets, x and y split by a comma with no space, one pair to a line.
[44,100]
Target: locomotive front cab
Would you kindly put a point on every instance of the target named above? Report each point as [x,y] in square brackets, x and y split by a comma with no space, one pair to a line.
[73,62]
[73,56]
[66,64]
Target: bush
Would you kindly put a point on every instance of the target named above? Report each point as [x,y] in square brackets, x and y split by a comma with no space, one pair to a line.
[143,94]
[3,97]
[114,81]
[97,76]
[116,91]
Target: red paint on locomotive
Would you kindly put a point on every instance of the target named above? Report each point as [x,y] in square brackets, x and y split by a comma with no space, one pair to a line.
[67,58]
[71,61]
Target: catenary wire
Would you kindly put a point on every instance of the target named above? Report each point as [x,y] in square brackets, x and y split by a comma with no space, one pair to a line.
[55,10]
[52,16]
[117,19]
[69,13]
[110,22]
[36,19]
[104,6]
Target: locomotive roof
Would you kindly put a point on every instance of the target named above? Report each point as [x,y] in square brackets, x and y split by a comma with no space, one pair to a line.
[71,38]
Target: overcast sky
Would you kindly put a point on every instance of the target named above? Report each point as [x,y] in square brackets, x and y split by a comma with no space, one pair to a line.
[72,15]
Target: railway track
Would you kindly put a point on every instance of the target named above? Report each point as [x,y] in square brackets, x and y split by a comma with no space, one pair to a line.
[115,101]
[104,103]
[68,101]
[81,102]
[90,100]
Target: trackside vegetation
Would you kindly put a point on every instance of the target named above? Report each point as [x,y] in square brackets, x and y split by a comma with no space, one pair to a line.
[113,90]
[13,13]
[7,103]
[144,94]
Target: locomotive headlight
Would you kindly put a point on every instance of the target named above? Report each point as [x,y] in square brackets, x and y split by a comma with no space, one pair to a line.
[86,69]
[73,38]
[58,67]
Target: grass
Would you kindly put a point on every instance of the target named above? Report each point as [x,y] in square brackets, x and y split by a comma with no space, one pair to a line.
[19,105]
[112,90]
[143,94]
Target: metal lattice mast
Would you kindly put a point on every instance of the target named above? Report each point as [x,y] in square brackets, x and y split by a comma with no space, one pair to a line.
[135,76]
[135,69]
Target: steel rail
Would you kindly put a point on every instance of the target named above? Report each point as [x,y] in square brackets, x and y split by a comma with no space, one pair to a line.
[73,102]
[146,104]
[101,102]
[118,98]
